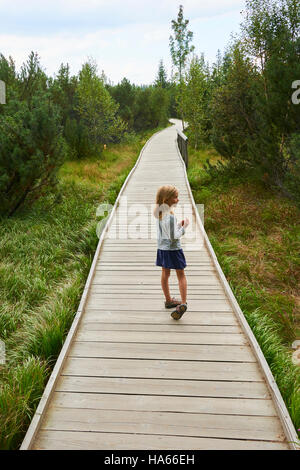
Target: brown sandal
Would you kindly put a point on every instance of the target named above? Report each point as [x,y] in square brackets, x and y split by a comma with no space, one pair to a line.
[180,309]
[173,303]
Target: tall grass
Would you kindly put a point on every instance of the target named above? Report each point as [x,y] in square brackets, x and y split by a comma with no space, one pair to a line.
[46,253]
[21,390]
[256,237]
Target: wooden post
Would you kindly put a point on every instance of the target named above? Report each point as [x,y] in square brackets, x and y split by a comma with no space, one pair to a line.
[2,93]
[182,141]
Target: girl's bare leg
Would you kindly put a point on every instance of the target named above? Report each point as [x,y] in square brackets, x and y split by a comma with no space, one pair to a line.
[182,284]
[165,274]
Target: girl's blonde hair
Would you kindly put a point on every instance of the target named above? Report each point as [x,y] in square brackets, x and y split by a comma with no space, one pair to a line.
[163,195]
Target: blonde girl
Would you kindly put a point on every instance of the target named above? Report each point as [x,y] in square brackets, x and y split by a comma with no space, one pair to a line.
[169,252]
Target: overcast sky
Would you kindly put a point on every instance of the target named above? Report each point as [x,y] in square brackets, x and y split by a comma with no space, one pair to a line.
[127,38]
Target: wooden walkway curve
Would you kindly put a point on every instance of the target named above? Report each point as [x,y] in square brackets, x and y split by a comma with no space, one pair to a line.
[130,377]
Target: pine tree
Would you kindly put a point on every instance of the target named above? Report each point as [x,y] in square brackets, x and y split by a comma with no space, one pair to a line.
[97,108]
[271,34]
[161,79]
[124,94]
[63,93]
[32,149]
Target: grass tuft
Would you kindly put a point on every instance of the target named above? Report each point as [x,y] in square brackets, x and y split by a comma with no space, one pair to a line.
[255,234]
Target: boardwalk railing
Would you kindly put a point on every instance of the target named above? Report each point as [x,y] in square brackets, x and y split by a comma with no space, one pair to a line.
[182,142]
[2,93]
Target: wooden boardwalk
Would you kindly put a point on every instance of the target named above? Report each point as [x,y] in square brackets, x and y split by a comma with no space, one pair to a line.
[129,376]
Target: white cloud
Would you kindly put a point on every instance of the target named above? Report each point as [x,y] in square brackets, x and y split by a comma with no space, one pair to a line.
[125,38]
[94,13]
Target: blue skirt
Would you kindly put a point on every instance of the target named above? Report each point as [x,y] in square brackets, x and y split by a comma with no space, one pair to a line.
[172,259]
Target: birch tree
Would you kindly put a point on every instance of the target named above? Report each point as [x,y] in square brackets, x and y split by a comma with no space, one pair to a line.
[180,49]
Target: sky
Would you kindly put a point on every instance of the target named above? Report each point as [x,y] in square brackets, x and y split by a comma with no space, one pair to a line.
[126,38]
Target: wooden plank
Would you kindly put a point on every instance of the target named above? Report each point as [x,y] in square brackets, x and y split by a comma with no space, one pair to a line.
[147,246]
[162,403]
[123,248]
[140,195]
[137,248]
[121,243]
[149,327]
[120,282]
[173,179]
[146,241]
[122,441]
[142,385]
[166,337]
[145,296]
[190,352]
[146,173]
[135,316]
[119,267]
[139,262]
[143,250]
[102,277]
[120,247]
[155,287]
[206,305]
[142,268]
[120,252]
[192,242]
[155,290]
[152,289]
[139,258]
[190,424]
[161,369]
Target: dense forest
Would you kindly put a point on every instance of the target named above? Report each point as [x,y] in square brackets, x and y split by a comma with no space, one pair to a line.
[246,105]
[47,121]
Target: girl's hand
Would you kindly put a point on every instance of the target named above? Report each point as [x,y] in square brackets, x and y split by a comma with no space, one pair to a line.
[185,222]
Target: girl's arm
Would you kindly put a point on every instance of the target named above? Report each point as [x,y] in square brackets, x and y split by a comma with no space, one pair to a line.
[176,230]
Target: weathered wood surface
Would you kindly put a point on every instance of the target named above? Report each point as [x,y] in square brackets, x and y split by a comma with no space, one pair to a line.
[129,376]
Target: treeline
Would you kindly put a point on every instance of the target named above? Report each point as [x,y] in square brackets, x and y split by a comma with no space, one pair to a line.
[47,120]
[242,105]
[146,107]
[245,104]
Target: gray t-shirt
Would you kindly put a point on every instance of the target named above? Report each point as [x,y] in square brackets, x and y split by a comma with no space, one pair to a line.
[169,233]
